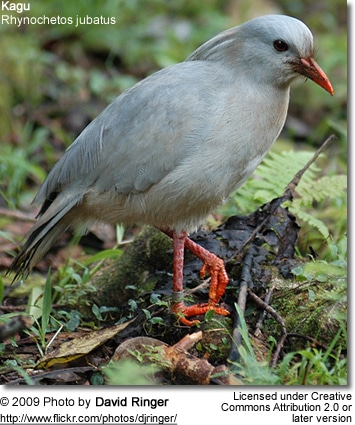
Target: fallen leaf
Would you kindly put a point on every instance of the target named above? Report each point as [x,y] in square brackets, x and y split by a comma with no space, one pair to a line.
[79,347]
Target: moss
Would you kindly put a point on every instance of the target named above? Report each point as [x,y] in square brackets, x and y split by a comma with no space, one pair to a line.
[143,264]
[216,341]
[309,309]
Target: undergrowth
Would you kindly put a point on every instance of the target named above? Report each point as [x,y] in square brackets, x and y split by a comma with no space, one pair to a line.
[320,202]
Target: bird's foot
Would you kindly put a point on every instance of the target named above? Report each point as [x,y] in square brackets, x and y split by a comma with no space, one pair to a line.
[182,311]
[211,264]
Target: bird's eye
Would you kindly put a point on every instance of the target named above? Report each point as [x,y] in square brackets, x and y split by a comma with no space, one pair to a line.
[280,46]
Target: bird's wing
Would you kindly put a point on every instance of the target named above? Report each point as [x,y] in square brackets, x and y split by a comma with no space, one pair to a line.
[143,134]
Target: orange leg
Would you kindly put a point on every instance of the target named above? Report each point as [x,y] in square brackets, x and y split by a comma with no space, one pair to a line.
[212,264]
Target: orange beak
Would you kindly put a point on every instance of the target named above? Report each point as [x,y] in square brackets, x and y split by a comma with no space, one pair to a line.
[310,69]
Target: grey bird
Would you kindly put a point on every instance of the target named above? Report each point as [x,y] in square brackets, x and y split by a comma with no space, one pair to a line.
[172,148]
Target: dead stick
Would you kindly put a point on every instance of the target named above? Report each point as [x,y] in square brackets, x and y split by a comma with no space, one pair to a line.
[279,320]
[245,283]
[262,316]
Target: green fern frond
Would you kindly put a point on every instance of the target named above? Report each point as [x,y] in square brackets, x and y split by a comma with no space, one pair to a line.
[275,173]
[322,189]
[278,169]
[269,181]
[311,220]
[286,164]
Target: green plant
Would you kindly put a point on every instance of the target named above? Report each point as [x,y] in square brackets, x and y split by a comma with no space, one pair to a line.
[129,372]
[12,364]
[248,368]
[309,366]
[17,165]
[315,367]
[326,193]
[39,307]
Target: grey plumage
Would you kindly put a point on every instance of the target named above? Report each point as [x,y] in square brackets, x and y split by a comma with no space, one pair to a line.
[170,149]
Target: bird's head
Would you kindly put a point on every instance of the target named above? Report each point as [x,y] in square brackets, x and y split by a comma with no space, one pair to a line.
[284,46]
[273,49]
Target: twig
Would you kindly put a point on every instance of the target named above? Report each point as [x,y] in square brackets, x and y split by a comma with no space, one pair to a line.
[288,193]
[245,283]
[259,323]
[308,338]
[279,320]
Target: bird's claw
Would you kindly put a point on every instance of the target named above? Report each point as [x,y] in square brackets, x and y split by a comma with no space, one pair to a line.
[182,312]
[219,278]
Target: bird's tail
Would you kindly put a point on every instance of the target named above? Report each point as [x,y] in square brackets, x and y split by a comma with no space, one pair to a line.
[52,222]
